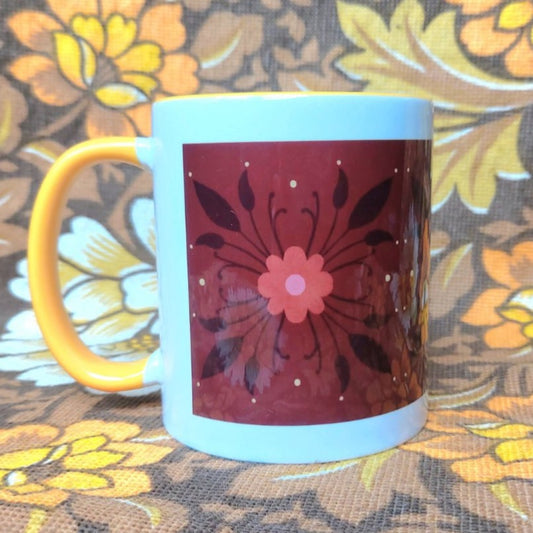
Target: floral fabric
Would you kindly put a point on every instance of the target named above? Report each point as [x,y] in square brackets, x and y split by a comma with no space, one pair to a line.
[75,460]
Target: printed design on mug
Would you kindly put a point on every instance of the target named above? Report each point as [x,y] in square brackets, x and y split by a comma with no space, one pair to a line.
[307,279]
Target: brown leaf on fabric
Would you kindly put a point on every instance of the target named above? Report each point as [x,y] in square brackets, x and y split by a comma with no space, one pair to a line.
[509,499]
[452,279]
[144,513]
[257,79]
[13,111]
[223,41]
[519,379]
[14,194]
[294,24]
[440,240]
[327,79]
[42,154]
[503,230]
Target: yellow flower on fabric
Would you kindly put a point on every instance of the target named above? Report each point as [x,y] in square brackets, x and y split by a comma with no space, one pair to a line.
[495,27]
[44,466]
[483,446]
[112,60]
[506,310]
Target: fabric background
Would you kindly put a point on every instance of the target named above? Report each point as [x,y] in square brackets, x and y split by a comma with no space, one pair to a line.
[74,460]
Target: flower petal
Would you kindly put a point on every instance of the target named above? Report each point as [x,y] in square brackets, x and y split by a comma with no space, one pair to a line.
[487,470]
[146,84]
[141,116]
[116,431]
[34,30]
[295,309]
[498,266]
[120,33]
[120,95]
[75,58]
[93,299]
[44,78]
[483,310]
[103,121]
[162,25]
[482,39]
[91,248]
[23,458]
[508,335]
[124,483]
[93,460]
[515,15]
[143,221]
[140,292]
[178,75]
[144,57]
[23,326]
[77,481]
[67,9]
[138,453]
[519,60]
[90,29]
[115,328]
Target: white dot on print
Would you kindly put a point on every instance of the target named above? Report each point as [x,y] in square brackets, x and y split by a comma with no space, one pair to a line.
[247,164]
[297,382]
[191,246]
[189,174]
[201,281]
[387,277]
[405,241]
[194,315]
[254,400]
[293,184]
[408,169]
[341,398]
[396,171]
[197,383]
[339,162]
[396,309]
[412,273]
[397,242]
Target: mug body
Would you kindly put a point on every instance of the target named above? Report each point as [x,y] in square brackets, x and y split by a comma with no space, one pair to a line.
[292,256]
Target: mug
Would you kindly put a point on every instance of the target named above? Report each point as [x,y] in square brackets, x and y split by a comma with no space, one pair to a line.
[292,260]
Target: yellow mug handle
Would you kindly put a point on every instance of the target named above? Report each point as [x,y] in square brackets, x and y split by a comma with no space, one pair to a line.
[43,275]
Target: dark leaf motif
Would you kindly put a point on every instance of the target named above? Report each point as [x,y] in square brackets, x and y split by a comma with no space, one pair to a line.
[246,194]
[378,236]
[217,208]
[340,194]
[375,321]
[222,356]
[213,240]
[343,371]
[214,324]
[370,205]
[251,371]
[369,352]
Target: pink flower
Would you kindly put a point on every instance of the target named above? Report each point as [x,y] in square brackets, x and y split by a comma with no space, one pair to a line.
[295,284]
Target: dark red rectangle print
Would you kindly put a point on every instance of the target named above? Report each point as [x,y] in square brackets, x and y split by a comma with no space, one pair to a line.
[308,268]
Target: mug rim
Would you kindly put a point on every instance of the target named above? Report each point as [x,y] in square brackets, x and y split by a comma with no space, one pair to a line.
[282,95]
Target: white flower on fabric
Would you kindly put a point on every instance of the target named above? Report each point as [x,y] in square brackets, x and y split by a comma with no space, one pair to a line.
[109,293]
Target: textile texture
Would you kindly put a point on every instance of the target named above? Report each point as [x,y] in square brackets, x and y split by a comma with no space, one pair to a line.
[72,459]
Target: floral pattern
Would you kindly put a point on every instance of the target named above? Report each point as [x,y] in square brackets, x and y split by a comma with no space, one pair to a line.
[108,64]
[323,309]
[72,460]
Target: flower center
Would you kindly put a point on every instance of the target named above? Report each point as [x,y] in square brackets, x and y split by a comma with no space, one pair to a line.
[295,284]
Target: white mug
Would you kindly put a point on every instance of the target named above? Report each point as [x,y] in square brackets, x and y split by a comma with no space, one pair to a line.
[292,259]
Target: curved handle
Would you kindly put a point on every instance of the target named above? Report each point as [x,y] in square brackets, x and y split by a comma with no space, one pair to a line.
[61,337]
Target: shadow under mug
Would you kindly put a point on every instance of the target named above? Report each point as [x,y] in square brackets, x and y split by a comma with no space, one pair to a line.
[292,259]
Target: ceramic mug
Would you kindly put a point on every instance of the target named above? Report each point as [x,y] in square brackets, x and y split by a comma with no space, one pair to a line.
[292,258]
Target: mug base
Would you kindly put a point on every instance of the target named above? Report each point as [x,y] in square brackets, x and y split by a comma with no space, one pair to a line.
[300,444]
